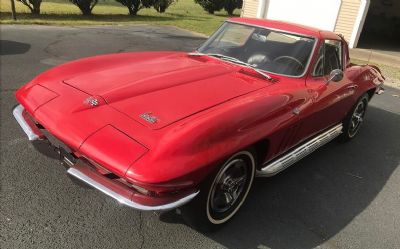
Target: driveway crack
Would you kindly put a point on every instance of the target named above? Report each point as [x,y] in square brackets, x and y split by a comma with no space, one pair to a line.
[141,232]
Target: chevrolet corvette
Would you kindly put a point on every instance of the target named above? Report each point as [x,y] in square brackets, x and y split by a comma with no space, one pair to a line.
[191,130]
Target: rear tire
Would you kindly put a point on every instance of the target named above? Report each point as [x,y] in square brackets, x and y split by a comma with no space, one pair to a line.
[354,119]
[223,193]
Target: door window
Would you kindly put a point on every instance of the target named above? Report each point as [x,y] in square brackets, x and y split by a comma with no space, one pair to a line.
[329,58]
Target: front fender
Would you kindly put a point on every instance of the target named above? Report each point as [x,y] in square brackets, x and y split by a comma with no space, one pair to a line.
[194,147]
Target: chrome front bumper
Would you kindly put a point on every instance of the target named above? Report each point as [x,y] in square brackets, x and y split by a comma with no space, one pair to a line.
[82,170]
[18,115]
[117,191]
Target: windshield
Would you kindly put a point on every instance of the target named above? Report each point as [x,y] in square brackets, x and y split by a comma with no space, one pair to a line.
[269,50]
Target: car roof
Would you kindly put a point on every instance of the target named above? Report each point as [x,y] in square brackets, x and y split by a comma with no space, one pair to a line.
[287,26]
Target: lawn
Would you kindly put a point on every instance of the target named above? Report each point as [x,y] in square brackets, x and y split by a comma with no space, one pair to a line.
[184,14]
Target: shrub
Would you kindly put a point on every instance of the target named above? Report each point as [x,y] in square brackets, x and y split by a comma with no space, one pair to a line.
[162,5]
[211,5]
[135,5]
[33,5]
[86,6]
[231,5]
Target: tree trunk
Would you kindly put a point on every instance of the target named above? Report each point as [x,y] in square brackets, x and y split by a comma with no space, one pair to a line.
[132,11]
[85,9]
[162,7]
[36,9]
[13,12]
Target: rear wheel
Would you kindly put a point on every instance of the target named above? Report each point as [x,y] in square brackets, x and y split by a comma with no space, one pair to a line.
[355,118]
[222,194]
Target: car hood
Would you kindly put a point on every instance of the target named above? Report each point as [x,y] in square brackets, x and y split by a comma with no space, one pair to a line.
[166,88]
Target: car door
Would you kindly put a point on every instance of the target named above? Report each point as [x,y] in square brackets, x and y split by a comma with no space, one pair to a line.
[331,98]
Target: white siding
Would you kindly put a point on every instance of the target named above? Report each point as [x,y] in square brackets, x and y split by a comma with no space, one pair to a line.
[250,8]
[347,18]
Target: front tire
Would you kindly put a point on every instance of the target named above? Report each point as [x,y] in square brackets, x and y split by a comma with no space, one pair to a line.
[222,194]
[354,119]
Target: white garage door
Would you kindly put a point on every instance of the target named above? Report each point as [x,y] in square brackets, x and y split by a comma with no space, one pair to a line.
[321,14]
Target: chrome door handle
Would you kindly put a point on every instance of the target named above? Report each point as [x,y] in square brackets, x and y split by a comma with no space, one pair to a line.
[352,86]
[296,111]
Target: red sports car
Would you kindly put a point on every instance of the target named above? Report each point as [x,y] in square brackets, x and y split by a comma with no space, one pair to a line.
[162,130]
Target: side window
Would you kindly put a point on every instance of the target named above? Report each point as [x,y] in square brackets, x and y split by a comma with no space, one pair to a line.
[329,58]
[333,55]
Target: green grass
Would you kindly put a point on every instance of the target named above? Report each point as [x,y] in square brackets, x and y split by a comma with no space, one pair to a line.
[184,14]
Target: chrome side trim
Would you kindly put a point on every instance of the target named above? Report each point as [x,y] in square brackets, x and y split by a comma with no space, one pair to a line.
[122,199]
[283,162]
[17,112]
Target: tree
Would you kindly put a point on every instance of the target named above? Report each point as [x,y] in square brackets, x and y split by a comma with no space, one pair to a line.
[231,5]
[13,12]
[162,5]
[211,5]
[33,5]
[135,5]
[86,6]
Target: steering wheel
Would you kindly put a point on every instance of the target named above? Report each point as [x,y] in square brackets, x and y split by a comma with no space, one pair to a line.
[291,59]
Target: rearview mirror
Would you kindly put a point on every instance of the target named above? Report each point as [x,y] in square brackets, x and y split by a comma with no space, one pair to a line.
[335,76]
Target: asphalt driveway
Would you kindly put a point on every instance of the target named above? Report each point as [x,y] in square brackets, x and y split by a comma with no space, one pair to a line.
[342,196]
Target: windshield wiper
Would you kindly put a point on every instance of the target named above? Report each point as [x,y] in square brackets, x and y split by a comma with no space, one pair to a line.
[234,60]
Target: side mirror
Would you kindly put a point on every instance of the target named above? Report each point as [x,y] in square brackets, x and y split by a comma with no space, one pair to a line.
[335,76]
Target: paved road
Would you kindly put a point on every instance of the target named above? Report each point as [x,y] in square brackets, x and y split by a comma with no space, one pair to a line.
[342,196]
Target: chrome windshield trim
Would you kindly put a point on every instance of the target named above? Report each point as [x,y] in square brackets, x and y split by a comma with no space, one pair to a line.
[274,29]
[123,199]
[17,112]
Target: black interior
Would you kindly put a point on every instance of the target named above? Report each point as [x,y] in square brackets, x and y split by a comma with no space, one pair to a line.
[332,59]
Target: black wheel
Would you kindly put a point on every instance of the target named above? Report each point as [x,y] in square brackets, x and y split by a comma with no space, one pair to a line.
[355,118]
[223,193]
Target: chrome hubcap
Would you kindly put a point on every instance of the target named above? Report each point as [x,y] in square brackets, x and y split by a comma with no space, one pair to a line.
[357,118]
[228,186]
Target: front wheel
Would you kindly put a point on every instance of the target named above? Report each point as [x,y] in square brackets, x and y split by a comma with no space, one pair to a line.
[222,194]
[353,121]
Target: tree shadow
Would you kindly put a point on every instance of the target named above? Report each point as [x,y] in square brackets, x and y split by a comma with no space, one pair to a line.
[12,47]
[223,14]
[315,199]
[197,39]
